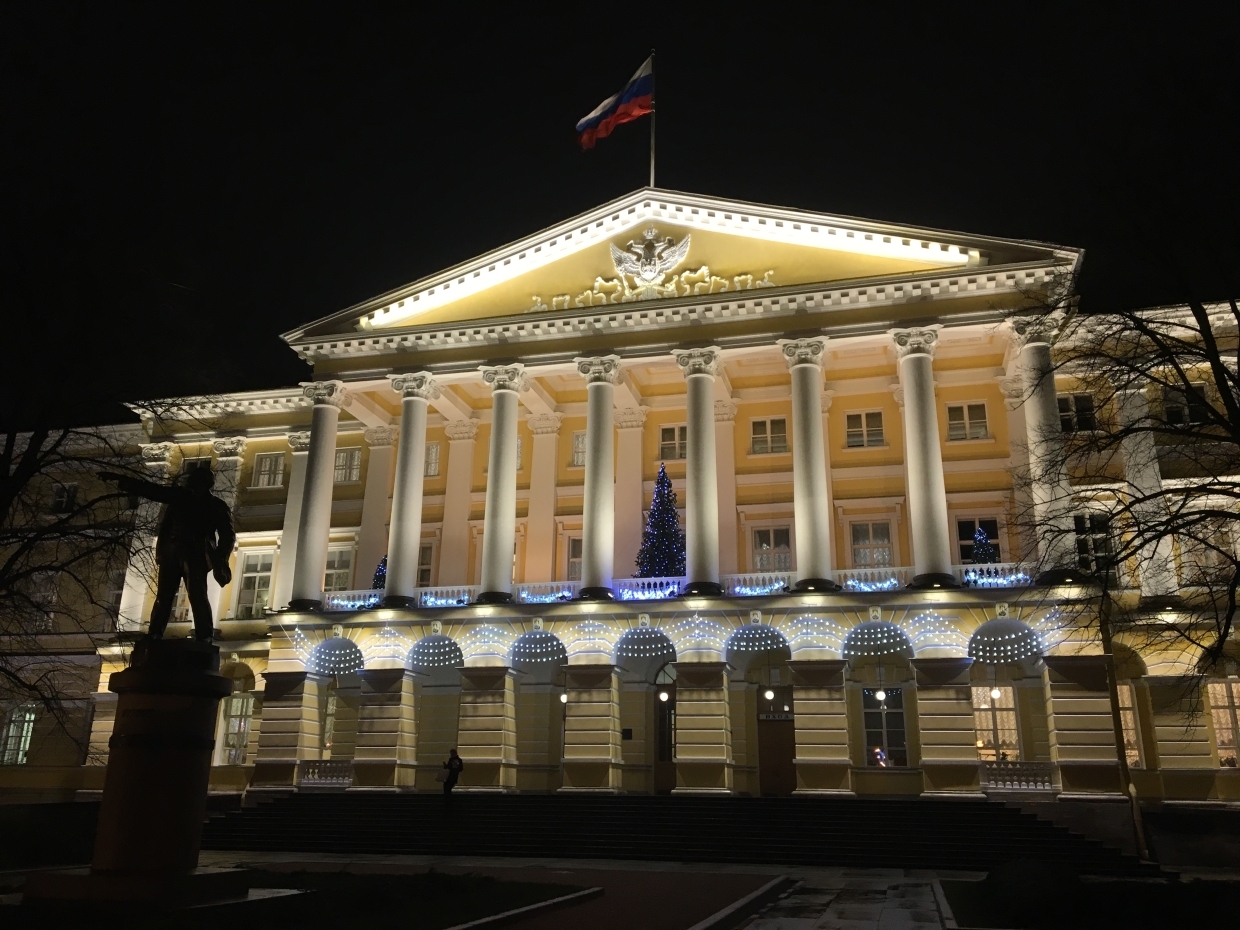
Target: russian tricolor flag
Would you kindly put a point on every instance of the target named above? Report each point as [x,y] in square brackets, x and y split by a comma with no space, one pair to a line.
[636,100]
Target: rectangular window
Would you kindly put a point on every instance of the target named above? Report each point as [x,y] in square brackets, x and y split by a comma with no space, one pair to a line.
[64,498]
[579,449]
[574,558]
[238,709]
[348,465]
[1093,542]
[772,550]
[1076,413]
[339,570]
[966,421]
[885,745]
[768,436]
[1225,711]
[269,470]
[863,429]
[1185,407]
[432,460]
[966,534]
[18,728]
[115,592]
[426,559]
[255,592]
[994,719]
[871,545]
[673,442]
[1128,717]
[191,465]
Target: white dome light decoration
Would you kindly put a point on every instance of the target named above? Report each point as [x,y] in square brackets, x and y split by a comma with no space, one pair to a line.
[1003,640]
[590,638]
[386,649]
[645,642]
[335,656]
[487,643]
[876,638]
[539,647]
[933,637]
[698,635]
[434,651]
[808,634]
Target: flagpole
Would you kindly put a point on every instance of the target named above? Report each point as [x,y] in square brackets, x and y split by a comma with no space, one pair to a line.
[653,107]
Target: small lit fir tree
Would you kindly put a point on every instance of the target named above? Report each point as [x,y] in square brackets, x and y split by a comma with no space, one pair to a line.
[984,551]
[380,580]
[662,554]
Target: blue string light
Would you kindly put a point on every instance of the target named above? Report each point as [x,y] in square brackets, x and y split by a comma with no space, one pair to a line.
[887,584]
[662,554]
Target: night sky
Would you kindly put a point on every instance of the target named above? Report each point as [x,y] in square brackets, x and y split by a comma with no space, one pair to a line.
[184,182]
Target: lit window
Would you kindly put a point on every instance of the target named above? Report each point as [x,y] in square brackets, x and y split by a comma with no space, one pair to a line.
[966,535]
[574,558]
[339,570]
[238,710]
[1128,717]
[994,719]
[673,442]
[966,421]
[871,545]
[1093,542]
[426,558]
[348,465]
[1186,407]
[772,550]
[885,744]
[863,429]
[255,590]
[329,721]
[64,498]
[269,470]
[432,460]
[768,436]
[579,449]
[18,728]
[1225,711]
[1076,413]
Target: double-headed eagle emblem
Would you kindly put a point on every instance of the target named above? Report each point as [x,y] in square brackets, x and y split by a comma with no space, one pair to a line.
[649,261]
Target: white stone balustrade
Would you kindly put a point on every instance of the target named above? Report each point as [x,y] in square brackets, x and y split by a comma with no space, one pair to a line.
[873,579]
[757,584]
[648,589]
[546,592]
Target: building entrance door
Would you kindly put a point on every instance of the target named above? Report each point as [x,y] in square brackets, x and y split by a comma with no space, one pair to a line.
[665,737]
[776,742]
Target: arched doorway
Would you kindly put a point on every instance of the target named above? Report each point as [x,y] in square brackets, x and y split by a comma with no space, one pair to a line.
[760,654]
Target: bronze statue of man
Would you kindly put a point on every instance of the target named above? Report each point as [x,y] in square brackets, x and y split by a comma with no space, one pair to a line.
[196,537]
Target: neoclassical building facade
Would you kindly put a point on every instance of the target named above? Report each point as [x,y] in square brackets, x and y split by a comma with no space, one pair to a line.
[841,406]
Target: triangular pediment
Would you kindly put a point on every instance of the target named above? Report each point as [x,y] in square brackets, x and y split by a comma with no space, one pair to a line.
[692,246]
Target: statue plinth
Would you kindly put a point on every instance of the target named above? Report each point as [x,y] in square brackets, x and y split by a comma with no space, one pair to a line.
[155,788]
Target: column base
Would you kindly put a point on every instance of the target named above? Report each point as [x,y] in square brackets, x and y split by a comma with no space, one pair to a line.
[1057,576]
[702,589]
[304,603]
[934,580]
[399,601]
[814,586]
[494,597]
[596,594]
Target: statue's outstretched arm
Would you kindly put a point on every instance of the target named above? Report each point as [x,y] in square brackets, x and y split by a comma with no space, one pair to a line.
[148,489]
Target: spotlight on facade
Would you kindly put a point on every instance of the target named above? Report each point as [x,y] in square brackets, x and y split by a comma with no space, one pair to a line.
[662,695]
[769,694]
[995,694]
[880,695]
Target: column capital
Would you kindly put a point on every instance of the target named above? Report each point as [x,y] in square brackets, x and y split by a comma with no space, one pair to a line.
[826,398]
[157,456]
[808,351]
[299,442]
[602,369]
[329,393]
[542,424]
[1036,329]
[916,341]
[419,384]
[379,436]
[229,447]
[725,411]
[897,391]
[461,429]
[698,361]
[630,417]
[1013,391]
[505,377]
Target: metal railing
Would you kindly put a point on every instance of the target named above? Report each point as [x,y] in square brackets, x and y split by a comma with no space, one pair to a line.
[1019,776]
[756,584]
[647,589]
[324,773]
[545,592]
[992,575]
[873,579]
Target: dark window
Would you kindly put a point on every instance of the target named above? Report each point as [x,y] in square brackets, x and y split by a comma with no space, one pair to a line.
[885,743]
[966,532]
[1184,408]
[1076,413]
[626,733]
[1093,543]
[673,442]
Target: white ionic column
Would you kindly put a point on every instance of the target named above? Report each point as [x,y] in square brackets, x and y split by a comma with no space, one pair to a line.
[372,534]
[701,485]
[598,516]
[810,499]
[316,500]
[499,521]
[1143,475]
[1048,474]
[283,587]
[725,479]
[229,455]
[540,516]
[457,503]
[923,459]
[140,571]
[627,507]
[405,533]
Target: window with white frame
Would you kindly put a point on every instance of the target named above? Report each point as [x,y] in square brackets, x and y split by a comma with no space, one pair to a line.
[348,465]
[573,551]
[18,728]
[426,560]
[871,544]
[994,720]
[269,470]
[772,549]
[863,429]
[1128,719]
[237,711]
[254,590]
[64,498]
[966,537]
[673,442]
[339,570]
[1093,542]
[115,591]
[768,436]
[966,421]
[579,449]
[1225,711]
[432,460]
[1076,413]
[886,744]
[1185,407]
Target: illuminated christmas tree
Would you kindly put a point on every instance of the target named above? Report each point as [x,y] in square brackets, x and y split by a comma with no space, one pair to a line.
[380,579]
[662,554]
[984,551]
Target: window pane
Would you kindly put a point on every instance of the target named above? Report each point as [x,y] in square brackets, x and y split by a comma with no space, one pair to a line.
[874,429]
[860,534]
[779,436]
[956,429]
[759,445]
[881,533]
[762,539]
[977,421]
[1085,412]
[432,460]
[965,530]
[781,539]
[854,435]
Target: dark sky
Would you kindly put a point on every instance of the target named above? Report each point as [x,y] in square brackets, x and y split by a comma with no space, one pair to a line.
[183,182]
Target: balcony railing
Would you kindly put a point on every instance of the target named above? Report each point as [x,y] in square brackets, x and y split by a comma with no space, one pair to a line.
[1019,776]
[865,580]
[324,773]
[647,589]
[756,584]
[545,592]
[992,575]
[352,600]
[451,596]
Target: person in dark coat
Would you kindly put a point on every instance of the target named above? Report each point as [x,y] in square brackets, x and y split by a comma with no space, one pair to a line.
[196,538]
[455,765]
